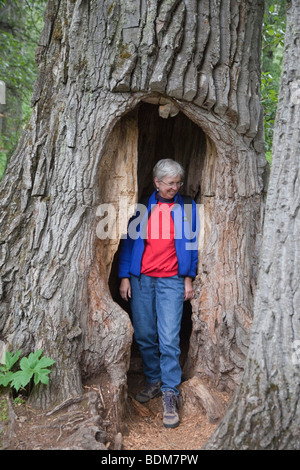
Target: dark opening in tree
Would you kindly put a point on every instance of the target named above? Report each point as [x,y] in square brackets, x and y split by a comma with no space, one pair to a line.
[174,137]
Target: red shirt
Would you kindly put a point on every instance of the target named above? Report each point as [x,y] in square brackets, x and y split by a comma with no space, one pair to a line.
[159,258]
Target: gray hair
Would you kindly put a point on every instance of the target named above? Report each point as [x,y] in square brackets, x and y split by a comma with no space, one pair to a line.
[167,167]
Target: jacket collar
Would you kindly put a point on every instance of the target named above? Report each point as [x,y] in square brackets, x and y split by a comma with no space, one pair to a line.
[153,200]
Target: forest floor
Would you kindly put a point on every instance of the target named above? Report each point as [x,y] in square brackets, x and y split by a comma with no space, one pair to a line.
[30,429]
[146,431]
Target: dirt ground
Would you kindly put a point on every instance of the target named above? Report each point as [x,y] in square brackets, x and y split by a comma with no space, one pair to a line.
[146,431]
[29,429]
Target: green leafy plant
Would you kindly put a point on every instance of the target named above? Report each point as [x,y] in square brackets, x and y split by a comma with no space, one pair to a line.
[6,374]
[34,367]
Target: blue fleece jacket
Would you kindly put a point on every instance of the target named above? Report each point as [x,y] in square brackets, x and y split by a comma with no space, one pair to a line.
[186,223]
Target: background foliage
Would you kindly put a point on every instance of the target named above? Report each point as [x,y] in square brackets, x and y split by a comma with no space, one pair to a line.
[21,22]
[272,54]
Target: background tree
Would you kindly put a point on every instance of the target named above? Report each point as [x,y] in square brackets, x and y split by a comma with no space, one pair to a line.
[120,84]
[272,52]
[265,411]
[20,27]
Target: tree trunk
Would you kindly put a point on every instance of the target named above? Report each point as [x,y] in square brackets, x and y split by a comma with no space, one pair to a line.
[120,85]
[265,411]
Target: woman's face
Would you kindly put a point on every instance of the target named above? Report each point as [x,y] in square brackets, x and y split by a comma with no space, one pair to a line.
[168,186]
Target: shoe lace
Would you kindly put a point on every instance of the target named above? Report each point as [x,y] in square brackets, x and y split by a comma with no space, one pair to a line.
[169,400]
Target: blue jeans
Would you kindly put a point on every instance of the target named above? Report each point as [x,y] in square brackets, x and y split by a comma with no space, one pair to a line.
[156,305]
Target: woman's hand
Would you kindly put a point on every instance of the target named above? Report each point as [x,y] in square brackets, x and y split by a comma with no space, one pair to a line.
[188,288]
[125,289]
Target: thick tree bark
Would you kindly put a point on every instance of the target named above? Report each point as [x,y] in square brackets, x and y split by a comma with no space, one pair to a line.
[265,411]
[103,68]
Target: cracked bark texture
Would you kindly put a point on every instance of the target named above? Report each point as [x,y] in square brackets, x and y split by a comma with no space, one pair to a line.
[98,61]
[265,413]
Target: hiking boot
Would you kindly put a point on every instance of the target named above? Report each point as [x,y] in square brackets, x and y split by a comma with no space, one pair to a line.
[151,391]
[170,409]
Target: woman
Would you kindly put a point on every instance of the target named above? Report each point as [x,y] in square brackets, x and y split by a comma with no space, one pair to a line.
[157,264]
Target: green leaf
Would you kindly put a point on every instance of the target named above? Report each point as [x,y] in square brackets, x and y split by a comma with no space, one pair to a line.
[31,361]
[6,375]
[41,376]
[6,378]
[20,380]
[10,359]
[45,362]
